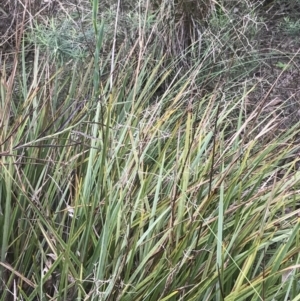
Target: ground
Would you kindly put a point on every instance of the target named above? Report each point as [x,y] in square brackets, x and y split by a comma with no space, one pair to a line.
[278,76]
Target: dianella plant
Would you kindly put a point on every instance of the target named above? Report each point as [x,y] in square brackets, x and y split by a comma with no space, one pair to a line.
[134,165]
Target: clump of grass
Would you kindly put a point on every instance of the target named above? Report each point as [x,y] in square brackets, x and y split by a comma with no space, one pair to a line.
[114,188]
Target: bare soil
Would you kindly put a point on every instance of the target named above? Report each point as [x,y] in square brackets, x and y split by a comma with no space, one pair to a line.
[278,76]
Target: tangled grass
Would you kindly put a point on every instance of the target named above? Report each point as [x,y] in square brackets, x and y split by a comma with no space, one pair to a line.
[137,173]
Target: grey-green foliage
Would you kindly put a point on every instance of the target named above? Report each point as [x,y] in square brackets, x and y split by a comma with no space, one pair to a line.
[61,39]
[291,26]
[73,37]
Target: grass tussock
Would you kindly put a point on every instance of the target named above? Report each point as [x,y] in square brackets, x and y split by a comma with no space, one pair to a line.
[135,173]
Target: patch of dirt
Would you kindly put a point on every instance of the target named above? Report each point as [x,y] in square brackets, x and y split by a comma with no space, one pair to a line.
[277,79]
[7,29]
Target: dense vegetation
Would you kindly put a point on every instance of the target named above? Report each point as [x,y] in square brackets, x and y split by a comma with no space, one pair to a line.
[141,159]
